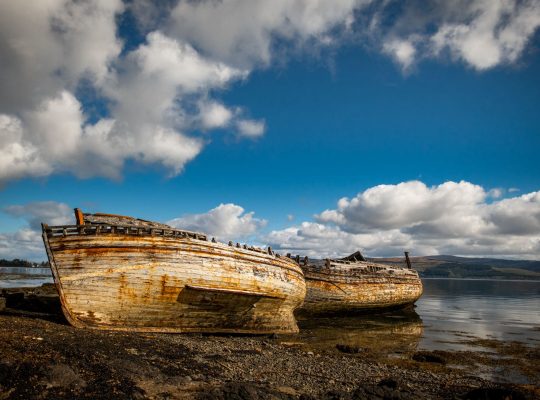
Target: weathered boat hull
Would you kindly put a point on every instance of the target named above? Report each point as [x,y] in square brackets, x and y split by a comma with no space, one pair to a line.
[331,290]
[125,281]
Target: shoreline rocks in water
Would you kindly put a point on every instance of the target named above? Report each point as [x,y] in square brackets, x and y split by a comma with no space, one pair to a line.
[35,301]
[43,357]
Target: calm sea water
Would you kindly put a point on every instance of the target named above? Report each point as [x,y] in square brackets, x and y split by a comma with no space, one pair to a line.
[451,315]
[454,309]
[450,312]
[24,277]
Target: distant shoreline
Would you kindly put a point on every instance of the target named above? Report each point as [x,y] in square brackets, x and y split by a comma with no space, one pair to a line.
[5,269]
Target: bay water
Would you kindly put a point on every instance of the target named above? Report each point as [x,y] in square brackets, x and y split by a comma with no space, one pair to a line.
[450,313]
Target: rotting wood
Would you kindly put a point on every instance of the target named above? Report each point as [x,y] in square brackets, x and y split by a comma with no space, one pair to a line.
[407,259]
[154,278]
[79,217]
[351,285]
[356,256]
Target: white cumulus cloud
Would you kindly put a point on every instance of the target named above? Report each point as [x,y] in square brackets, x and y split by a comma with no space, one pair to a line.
[456,218]
[242,32]
[450,218]
[480,33]
[225,222]
[48,212]
[48,51]
[497,33]
[250,128]
[26,243]
[403,51]
[158,94]
[214,115]
[50,45]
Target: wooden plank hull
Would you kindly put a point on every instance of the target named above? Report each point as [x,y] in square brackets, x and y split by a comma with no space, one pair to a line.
[332,290]
[172,284]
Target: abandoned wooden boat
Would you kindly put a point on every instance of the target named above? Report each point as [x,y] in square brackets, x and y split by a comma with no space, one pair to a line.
[354,284]
[122,273]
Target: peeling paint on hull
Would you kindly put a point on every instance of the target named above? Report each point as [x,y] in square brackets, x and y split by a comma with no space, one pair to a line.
[359,286]
[172,284]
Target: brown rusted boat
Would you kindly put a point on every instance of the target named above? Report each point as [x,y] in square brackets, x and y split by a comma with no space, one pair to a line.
[122,273]
[355,284]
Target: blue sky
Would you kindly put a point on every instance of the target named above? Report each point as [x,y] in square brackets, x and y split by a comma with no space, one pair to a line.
[303,119]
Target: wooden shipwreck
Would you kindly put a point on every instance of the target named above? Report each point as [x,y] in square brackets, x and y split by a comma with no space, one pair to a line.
[122,273]
[354,284]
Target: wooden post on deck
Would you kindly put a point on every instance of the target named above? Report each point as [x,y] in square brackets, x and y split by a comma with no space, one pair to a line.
[408,260]
[79,217]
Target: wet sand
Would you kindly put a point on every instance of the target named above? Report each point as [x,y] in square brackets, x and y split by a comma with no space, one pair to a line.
[44,357]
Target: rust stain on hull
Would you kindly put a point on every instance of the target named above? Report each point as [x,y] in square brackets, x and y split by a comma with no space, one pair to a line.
[172,284]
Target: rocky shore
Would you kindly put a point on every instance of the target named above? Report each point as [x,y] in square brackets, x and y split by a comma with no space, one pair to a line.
[45,358]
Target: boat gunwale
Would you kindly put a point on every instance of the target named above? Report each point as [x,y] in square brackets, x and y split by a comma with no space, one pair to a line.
[261,258]
[60,231]
[359,273]
[96,228]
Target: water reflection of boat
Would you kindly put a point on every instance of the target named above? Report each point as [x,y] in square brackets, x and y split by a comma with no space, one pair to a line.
[395,332]
[115,272]
[355,284]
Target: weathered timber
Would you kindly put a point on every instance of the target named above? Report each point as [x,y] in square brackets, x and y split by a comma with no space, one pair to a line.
[345,286]
[408,260]
[146,277]
[113,219]
[356,256]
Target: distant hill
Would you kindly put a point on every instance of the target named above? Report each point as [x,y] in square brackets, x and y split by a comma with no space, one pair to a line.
[464,267]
